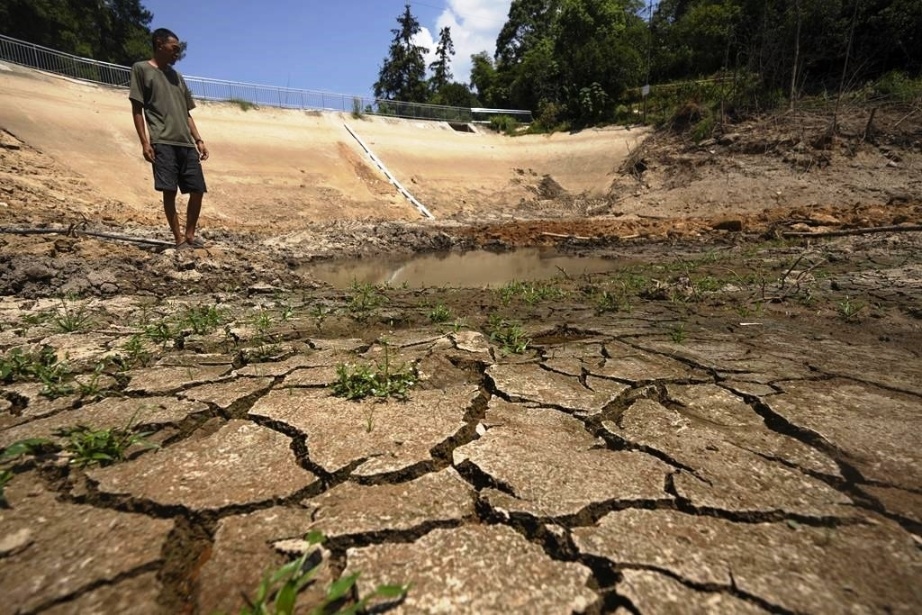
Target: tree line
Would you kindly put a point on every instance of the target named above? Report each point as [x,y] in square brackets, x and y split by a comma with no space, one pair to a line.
[578,61]
[116,31]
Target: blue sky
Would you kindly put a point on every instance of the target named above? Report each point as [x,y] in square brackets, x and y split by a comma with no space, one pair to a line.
[332,45]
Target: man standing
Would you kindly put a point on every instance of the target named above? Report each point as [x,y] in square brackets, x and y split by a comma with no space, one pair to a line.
[171,141]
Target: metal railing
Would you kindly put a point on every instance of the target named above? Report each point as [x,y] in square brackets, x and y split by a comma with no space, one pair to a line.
[49,60]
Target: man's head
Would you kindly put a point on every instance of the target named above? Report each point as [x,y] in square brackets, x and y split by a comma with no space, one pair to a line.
[167,48]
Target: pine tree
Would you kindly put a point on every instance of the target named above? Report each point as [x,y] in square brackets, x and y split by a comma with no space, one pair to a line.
[441,70]
[403,75]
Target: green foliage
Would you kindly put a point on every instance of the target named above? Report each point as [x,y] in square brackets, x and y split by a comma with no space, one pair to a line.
[70,318]
[90,388]
[607,301]
[849,310]
[264,346]
[530,292]
[114,31]
[365,300]
[509,335]
[203,319]
[320,312]
[244,105]
[101,446]
[439,314]
[381,380]
[403,73]
[441,67]
[677,333]
[897,85]
[159,332]
[133,353]
[42,366]
[277,594]
[504,123]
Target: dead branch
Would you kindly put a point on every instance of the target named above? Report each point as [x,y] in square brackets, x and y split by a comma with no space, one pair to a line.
[901,228]
[72,232]
[561,236]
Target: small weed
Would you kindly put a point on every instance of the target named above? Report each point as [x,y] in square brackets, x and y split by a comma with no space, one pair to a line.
[608,301]
[320,312]
[90,389]
[262,321]
[34,320]
[439,314]
[508,335]
[848,310]
[203,319]
[69,318]
[530,292]
[101,446]
[278,592]
[366,299]
[42,366]
[677,334]
[135,354]
[159,332]
[382,380]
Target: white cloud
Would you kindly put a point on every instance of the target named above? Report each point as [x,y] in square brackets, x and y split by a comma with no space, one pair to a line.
[474,24]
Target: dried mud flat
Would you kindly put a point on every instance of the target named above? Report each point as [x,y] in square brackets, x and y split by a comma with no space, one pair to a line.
[728,421]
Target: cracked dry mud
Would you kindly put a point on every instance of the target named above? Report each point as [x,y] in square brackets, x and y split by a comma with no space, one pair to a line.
[608,468]
[724,423]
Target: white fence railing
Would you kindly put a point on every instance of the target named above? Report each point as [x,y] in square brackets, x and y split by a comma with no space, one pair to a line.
[49,60]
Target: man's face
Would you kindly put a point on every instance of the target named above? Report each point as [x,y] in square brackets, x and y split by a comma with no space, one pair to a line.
[170,50]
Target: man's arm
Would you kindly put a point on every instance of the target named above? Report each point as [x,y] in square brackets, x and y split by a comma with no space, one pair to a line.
[137,114]
[199,142]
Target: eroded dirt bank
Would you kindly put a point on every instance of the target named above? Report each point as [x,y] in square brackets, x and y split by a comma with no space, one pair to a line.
[729,420]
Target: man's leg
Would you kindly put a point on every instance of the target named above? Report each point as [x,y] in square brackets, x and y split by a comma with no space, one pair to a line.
[169,209]
[193,209]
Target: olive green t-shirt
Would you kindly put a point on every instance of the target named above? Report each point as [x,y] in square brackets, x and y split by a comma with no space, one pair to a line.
[167,102]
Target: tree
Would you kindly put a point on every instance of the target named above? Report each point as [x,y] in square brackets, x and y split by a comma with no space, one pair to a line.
[109,30]
[441,69]
[528,23]
[403,75]
[483,79]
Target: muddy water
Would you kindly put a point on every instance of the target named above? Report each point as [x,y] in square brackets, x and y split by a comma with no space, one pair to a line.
[474,269]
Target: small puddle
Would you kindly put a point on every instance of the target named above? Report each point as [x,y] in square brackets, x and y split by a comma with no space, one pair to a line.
[474,269]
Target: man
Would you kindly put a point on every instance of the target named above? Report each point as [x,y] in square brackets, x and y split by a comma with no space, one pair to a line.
[171,142]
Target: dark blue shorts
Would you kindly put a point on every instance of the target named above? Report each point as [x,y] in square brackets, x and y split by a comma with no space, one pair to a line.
[177,167]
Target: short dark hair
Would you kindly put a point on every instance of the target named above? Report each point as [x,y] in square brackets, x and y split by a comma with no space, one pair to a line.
[159,36]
